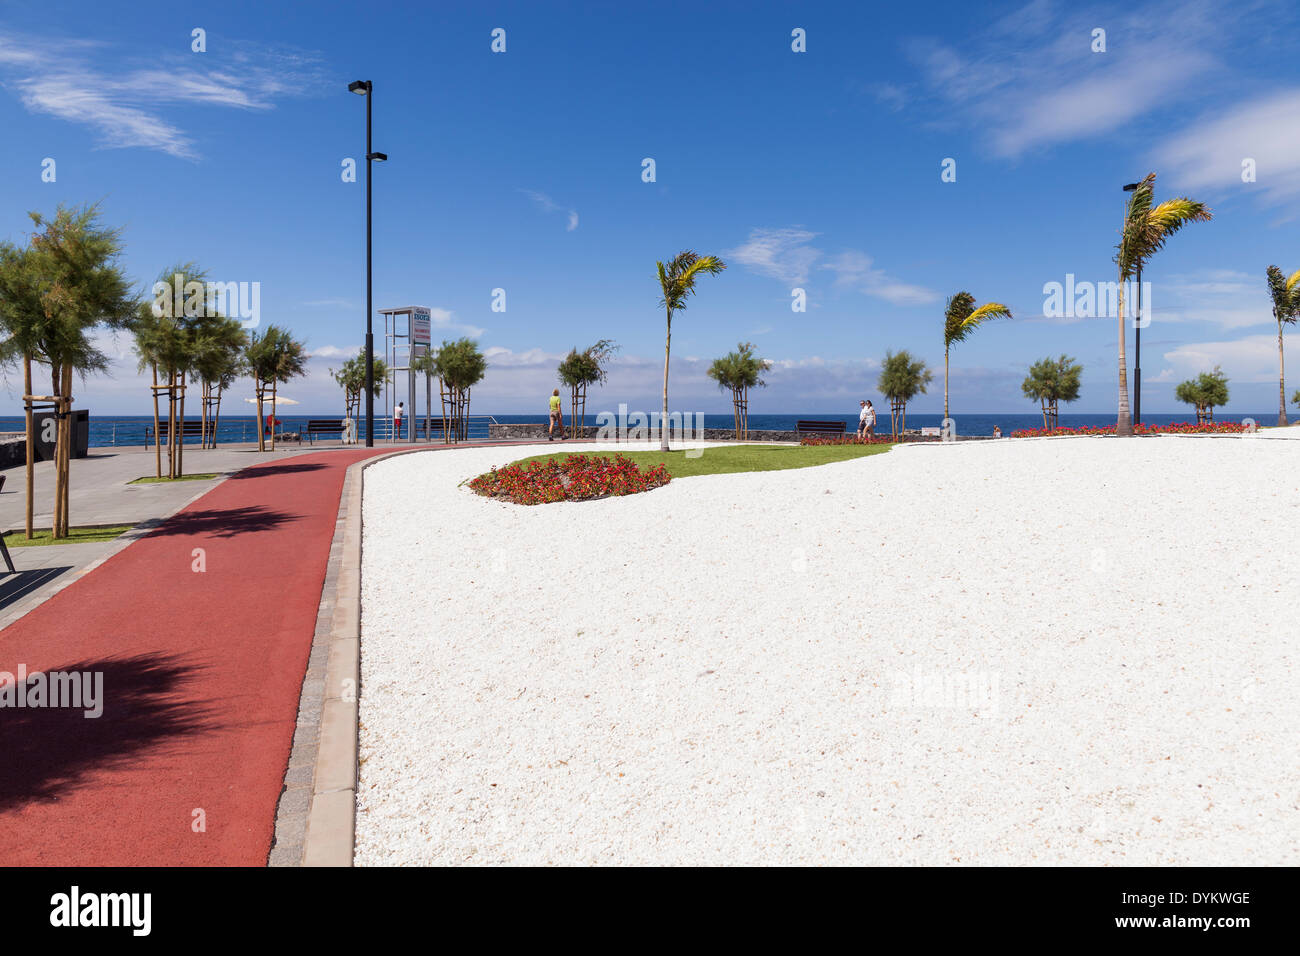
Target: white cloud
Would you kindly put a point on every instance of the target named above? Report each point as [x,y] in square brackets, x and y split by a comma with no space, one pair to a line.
[783,254]
[787,254]
[549,205]
[1224,297]
[1032,80]
[61,78]
[1209,153]
[889,95]
[335,352]
[857,269]
[1250,359]
[445,320]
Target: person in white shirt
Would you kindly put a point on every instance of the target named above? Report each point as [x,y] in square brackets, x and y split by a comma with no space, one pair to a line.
[866,421]
[398,412]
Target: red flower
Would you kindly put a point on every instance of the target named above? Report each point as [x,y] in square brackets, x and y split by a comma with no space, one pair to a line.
[572,478]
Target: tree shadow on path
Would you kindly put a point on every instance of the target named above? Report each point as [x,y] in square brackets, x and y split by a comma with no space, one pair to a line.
[222,522]
[49,752]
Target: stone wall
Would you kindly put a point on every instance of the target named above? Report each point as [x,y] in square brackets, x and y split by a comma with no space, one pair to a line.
[13,450]
[538,433]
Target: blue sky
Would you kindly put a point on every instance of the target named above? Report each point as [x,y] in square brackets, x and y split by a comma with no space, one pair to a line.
[819,170]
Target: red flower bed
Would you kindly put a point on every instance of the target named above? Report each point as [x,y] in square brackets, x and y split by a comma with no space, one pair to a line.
[1177,428]
[572,478]
[844,440]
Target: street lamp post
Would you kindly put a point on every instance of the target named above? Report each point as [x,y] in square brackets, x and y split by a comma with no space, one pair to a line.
[366,88]
[1137,340]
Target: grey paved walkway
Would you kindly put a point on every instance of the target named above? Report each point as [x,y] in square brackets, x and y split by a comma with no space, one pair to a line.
[100,495]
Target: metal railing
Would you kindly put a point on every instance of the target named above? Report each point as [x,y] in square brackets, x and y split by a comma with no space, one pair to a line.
[110,432]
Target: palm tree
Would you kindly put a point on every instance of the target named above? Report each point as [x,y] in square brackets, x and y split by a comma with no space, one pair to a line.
[740,371]
[273,357]
[1144,233]
[677,284]
[1050,382]
[902,378]
[1286,308]
[960,319]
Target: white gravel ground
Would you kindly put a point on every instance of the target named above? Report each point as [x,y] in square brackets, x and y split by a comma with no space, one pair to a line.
[1042,651]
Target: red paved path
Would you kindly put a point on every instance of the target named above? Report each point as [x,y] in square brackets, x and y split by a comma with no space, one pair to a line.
[202,673]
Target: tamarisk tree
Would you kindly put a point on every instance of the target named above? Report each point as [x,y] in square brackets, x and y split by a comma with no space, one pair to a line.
[580,369]
[740,371]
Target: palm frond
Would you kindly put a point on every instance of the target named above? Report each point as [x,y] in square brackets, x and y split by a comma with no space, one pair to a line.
[961,318]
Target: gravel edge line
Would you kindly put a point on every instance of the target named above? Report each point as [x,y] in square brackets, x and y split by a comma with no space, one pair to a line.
[315,815]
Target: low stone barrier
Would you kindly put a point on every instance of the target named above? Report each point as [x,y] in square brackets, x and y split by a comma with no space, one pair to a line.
[13,450]
[538,432]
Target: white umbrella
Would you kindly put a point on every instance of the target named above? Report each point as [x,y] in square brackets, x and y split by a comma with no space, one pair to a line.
[279,400]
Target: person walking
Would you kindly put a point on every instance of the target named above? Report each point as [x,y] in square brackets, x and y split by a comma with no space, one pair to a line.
[866,420]
[398,412]
[557,417]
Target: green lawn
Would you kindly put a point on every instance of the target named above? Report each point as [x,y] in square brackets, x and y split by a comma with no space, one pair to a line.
[41,536]
[151,480]
[725,459]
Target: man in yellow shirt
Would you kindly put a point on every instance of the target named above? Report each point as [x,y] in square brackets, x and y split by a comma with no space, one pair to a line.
[557,417]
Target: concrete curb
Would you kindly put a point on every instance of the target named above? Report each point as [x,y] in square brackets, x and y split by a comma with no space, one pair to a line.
[315,817]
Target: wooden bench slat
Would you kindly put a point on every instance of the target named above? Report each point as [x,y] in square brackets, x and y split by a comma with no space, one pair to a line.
[821,426]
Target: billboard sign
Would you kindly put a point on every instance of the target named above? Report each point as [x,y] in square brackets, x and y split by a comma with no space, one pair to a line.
[421,326]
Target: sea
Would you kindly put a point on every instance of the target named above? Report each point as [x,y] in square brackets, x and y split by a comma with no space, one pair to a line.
[130,429]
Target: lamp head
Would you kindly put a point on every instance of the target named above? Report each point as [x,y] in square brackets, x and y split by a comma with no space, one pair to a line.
[380,157]
[360,87]
[1131,186]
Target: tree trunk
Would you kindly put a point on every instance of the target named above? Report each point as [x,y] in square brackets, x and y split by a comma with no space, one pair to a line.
[171,423]
[1043,403]
[261,422]
[216,415]
[157,439]
[1124,421]
[945,381]
[663,436]
[31,440]
[273,391]
[1281,378]
[442,403]
[180,439]
[67,448]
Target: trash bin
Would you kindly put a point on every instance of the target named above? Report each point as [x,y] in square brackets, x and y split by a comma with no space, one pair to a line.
[80,434]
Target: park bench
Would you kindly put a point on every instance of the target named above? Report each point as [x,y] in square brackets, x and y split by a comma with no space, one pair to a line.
[820,428]
[435,428]
[187,429]
[322,426]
